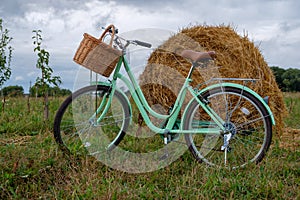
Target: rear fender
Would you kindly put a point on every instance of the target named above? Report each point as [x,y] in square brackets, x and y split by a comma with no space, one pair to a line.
[234,85]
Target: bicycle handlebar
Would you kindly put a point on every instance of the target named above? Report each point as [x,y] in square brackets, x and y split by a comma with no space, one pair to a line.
[136,42]
[140,43]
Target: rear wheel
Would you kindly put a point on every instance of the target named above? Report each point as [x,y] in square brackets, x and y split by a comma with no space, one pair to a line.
[247,124]
[76,129]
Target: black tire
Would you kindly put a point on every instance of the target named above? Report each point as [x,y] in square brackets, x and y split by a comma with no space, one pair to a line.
[245,117]
[76,131]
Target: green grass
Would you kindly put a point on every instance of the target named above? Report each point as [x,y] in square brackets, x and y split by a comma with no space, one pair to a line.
[32,167]
[292,101]
[20,119]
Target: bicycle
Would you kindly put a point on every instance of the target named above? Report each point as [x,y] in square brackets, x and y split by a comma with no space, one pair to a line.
[225,124]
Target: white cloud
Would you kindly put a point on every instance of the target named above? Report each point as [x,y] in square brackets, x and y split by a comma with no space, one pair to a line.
[19,78]
[30,74]
[266,32]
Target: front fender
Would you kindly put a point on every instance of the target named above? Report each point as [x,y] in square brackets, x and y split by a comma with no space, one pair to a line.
[234,85]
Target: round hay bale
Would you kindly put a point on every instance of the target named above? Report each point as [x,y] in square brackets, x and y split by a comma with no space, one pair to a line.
[237,57]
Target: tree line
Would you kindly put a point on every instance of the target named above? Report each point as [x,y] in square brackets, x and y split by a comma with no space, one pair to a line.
[288,80]
[35,91]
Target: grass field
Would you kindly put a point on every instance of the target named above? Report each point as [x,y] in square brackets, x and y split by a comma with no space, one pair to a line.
[33,167]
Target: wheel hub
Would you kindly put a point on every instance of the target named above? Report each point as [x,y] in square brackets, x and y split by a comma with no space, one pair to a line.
[230,131]
[230,128]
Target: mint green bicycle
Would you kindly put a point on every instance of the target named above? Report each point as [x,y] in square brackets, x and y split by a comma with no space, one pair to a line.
[225,124]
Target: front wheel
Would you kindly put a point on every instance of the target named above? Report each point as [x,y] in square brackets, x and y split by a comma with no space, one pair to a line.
[76,128]
[247,124]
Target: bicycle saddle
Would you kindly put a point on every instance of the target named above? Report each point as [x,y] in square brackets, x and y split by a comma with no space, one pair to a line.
[197,56]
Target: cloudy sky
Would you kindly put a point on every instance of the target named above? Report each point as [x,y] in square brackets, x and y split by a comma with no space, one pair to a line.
[274,25]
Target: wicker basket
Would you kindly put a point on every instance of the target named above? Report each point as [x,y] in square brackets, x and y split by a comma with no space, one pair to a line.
[96,55]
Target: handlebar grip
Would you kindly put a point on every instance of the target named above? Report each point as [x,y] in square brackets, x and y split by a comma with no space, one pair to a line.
[144,44]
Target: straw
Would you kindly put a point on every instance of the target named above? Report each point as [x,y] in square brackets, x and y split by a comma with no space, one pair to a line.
[237,56]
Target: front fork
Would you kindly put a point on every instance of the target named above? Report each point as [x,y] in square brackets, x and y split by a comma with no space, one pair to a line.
[103,107]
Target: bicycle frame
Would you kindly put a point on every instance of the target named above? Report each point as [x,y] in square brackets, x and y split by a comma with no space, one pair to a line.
[225,124]
[144,107]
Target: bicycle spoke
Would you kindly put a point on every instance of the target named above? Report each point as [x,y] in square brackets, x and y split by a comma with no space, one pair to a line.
[251,121]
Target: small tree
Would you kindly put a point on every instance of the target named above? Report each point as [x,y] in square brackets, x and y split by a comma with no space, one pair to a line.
[5,70]
[5,49]
[46,78]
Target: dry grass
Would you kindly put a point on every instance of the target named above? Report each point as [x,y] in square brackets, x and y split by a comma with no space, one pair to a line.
[290,139]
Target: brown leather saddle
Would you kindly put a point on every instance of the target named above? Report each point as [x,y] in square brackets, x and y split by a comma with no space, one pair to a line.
[196,56]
